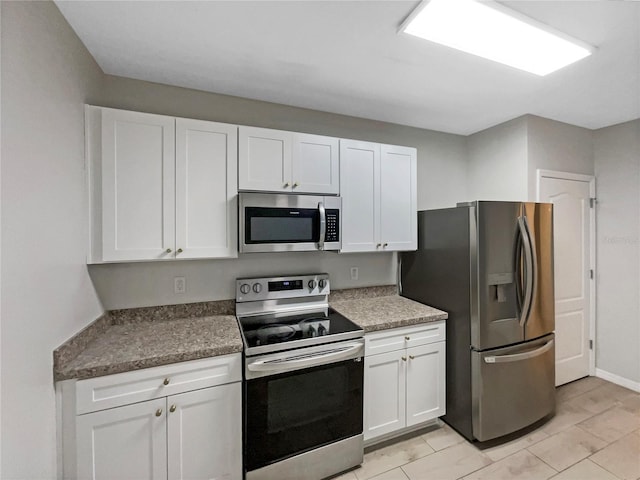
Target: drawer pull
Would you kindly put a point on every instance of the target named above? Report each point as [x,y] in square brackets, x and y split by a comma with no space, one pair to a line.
[166,381]
[158,412]
[172,409]
[407,338]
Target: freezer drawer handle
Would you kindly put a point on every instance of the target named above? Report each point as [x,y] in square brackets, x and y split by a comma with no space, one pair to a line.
[520,356]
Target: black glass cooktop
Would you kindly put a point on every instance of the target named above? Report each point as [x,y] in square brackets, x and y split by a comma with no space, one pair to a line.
[282,331]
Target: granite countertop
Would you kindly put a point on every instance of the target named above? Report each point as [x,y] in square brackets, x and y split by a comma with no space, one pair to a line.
[382,313]
[125,340]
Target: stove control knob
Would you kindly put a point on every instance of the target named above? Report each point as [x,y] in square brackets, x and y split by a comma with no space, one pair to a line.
[312,284]
[245,288]
[257,287]
[322,283]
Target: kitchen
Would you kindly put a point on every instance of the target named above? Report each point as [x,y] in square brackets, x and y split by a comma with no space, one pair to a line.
[48,75]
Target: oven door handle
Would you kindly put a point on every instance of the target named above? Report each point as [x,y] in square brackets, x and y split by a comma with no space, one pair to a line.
[306,360]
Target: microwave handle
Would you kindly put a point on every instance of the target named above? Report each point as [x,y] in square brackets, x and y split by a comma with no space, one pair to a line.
[323,226]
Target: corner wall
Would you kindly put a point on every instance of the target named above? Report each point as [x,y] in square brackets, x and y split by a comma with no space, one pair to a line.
[617,166]
[497,162]
[47,295]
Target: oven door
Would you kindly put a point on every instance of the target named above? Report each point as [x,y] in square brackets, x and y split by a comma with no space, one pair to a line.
[290,413]
[288,223]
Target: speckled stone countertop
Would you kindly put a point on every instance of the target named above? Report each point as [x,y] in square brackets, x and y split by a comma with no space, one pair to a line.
[131,339]
[382,313]
[125,340]
[132,346]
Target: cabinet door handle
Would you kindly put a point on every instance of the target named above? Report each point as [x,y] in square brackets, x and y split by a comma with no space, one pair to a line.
[179,250]
[168,250]
[404,359]
[286,184]
[158,412]
[166,381]
[407,338]
[295,184]
[173,408]
[378,245]
[384,245]
[411,357]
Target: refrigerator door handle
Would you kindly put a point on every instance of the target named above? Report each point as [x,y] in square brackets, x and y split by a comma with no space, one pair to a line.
[399,274]
[534,264]
[528,267]
[520,356]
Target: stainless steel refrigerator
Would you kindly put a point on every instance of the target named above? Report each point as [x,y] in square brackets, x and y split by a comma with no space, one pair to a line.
[490,266]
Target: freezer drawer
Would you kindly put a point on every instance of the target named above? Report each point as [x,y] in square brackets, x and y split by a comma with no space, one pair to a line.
[512,387]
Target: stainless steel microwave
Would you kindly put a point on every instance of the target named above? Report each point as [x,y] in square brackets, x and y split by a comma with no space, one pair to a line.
[271,222]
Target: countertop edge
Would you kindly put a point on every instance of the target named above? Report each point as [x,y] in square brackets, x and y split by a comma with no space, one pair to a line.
[101,371]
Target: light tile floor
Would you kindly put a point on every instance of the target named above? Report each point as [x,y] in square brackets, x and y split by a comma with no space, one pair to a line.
[595,435]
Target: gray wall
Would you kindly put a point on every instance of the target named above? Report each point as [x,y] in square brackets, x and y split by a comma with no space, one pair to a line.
[557,146]
[497,162]
[441,182]
[47,295]
[617,165]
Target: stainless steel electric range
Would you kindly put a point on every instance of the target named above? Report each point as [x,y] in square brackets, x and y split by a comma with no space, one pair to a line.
[303,372]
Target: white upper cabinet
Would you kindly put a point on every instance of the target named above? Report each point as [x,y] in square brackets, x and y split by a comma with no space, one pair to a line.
[160,188]
[379,197]
[287,162]
[360,191]
[398,198]
[138,185]
[315,165]
[206,193]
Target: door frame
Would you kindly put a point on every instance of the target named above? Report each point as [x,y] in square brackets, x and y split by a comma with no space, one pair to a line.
[540,174]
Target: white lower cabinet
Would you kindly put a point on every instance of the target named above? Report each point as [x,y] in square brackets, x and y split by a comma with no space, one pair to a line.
[404,385]
[196,434]
[123,442]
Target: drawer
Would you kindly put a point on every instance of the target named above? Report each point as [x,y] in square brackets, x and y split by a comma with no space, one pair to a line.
[124,388]
[398,338]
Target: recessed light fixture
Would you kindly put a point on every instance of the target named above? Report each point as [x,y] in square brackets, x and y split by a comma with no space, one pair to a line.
[493,31]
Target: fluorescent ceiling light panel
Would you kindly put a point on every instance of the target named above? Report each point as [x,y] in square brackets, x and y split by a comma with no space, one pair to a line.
[495,32]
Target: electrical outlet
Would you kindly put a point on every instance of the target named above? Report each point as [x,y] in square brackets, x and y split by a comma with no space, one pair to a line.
[354,273]
[179,285]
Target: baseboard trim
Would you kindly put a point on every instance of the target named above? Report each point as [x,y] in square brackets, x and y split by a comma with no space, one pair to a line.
[618,380]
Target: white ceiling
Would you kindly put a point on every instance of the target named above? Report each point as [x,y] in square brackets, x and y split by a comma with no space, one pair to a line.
[346,57]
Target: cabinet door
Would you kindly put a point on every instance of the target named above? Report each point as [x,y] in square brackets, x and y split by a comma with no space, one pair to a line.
[316,164]
[425,383]
[384,393]
[123,443]
[138,185]
[264,159]
[206,189]
[360,191]
[398,198]
[205,433]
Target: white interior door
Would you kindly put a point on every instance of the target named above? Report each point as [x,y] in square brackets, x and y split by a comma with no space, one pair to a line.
[572,256]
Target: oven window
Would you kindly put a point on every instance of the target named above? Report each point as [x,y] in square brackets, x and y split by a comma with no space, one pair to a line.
[295,412]
[281,225]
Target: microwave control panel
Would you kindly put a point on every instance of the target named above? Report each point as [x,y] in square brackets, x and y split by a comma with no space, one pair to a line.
[333,226]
